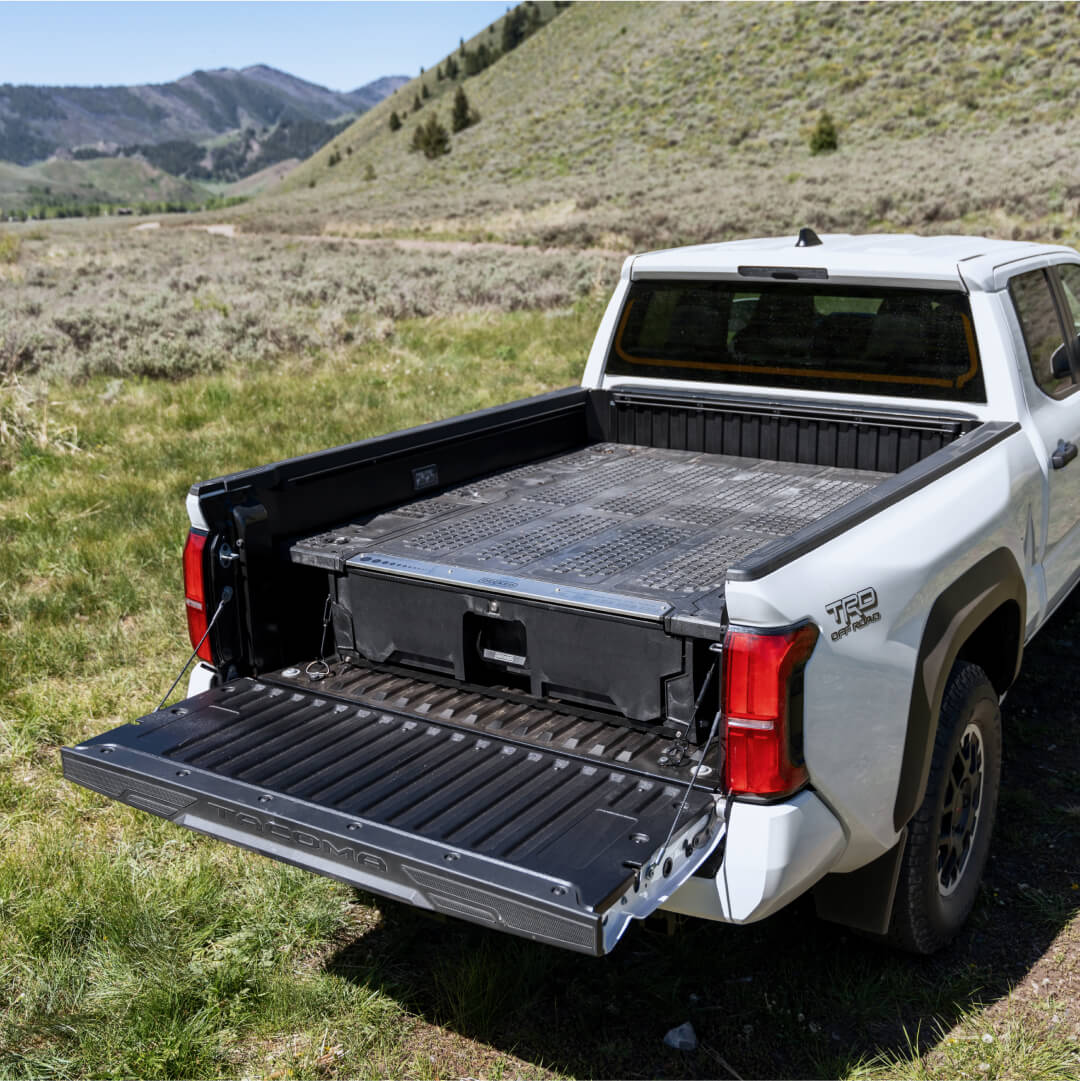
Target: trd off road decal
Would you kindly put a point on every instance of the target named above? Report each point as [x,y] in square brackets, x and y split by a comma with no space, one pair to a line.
[853,612]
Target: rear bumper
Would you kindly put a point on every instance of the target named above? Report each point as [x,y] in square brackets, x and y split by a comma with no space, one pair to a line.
[773,853]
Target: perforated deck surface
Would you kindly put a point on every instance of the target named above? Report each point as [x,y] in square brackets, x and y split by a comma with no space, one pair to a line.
[641,521]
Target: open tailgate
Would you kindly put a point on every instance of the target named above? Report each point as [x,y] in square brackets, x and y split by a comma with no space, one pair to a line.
[556,846]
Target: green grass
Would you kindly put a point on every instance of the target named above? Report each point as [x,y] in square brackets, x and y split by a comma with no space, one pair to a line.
[101,180]
[129,947]
[9,248]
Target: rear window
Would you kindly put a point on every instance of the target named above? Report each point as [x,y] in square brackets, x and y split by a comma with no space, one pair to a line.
[914,343]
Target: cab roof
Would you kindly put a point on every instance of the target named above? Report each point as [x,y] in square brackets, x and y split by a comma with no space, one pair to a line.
[950,262]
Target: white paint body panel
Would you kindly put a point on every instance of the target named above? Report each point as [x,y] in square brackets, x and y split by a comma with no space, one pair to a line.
[773,853]
[202,678]
[858,690]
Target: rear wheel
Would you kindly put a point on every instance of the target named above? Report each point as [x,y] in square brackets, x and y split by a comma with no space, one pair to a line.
[949,837]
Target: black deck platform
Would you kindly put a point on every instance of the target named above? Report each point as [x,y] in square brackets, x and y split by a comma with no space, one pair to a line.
[633,521]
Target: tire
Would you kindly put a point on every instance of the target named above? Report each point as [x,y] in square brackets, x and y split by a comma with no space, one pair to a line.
[949,837]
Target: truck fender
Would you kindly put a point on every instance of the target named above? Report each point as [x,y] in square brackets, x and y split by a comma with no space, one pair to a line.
[993,581]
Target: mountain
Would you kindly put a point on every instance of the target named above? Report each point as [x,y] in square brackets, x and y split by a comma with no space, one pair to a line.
[370,94]
[648,124]
[38,121]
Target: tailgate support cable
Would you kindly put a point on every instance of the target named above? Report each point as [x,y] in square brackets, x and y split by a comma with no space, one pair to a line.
[319,669]
[651,869]
[226,596]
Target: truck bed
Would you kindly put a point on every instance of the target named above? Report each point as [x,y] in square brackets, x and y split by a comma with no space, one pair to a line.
[616,520]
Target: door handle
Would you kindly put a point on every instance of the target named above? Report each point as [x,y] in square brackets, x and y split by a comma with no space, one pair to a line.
[1063,455]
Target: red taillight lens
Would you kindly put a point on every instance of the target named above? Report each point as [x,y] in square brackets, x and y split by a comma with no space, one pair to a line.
[759,670]
[195,595]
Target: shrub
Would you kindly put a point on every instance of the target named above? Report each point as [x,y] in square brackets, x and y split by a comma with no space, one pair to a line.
[395,121]
[823,138]
[9,247]
[369,171]
[432,138]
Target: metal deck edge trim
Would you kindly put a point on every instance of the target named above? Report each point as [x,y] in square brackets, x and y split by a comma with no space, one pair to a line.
[511,585]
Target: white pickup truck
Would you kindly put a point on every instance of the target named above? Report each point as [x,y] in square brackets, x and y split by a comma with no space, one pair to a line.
[730,622]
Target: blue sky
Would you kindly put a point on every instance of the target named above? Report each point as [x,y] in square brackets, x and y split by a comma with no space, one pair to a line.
[340,45]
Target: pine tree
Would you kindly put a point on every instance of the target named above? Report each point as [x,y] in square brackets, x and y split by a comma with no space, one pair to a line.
[395,121]
[451,68]
[823,139]
[461,117]
[424,92]
[513,30]
[417,104]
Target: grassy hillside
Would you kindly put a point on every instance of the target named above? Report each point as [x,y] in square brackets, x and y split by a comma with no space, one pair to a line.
[103,180]
[637,125]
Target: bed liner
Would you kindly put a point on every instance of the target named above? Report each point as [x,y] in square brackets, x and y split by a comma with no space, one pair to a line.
[555,843]
[621,522]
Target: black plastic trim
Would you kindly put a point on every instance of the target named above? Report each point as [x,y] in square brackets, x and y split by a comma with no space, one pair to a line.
[995,580]
[785,273]
[783,551]
[327,463]
[862,899]
[384,862]
[538,841]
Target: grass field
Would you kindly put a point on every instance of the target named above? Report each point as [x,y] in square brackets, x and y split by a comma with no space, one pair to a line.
[102,180]
[131,948]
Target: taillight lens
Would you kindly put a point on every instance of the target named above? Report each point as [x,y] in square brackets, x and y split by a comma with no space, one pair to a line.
[195,594]
[762,676]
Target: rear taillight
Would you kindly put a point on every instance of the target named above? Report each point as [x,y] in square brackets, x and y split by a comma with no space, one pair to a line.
[763,709]
[195,594]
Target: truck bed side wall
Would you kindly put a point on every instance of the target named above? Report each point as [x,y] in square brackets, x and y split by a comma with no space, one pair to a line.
[872,590]
[279,614]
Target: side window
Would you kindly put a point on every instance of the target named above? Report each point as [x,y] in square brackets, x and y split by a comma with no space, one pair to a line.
[1069,273]
[1045,342]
